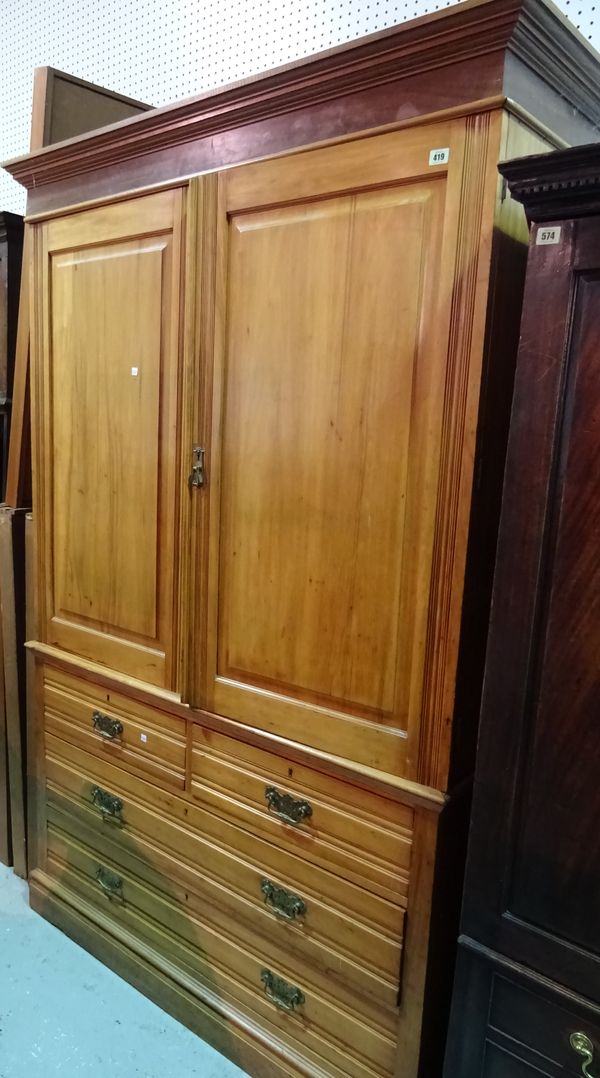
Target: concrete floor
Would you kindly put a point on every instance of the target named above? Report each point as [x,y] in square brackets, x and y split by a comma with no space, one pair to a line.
[64,1015]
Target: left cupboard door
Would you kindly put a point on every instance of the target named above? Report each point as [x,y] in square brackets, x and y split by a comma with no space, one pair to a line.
[105,411]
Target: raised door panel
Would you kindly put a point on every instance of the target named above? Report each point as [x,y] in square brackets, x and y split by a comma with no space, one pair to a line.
[319,397]
[333,401]
[109,369]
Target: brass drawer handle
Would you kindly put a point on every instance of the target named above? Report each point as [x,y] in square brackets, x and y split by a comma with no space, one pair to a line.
[111,885]
[582,1044]
[287,808]
[283,903]
[285,996]
[110,805]
[105,726]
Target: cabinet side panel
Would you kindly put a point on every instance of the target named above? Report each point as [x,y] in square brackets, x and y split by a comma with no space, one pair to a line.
[507,282]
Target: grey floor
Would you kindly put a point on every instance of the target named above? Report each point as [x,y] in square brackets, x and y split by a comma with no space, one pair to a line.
[64,1015]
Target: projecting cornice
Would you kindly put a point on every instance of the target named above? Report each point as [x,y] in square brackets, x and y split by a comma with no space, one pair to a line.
[550,46]
[439,61]
[565,183]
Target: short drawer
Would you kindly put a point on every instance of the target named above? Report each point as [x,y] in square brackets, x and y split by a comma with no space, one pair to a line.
[523,1022]
[142,739]
[295,993]
[509,1022]
[354,833]
[254,886]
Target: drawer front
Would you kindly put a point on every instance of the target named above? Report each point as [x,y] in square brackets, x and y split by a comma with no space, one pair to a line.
[312,1016]
[134,736]
[499,1063]
[290,913]
[353,901]
[508,1022]
[356,834]
[542,1028]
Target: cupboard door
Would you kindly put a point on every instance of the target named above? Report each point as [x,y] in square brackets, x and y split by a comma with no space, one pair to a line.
[107,364]
[331,395]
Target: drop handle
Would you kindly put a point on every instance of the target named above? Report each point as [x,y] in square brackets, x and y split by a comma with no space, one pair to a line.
[286,997]
[109,805]
[111,885]
[108,728]
[285,905]
[582,1044]
[289,809]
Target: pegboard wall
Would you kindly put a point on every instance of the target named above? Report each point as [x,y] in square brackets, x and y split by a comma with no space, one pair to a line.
[161,50]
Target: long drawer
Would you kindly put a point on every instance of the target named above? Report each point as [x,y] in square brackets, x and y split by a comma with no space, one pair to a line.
[362,837]
[141,739]
[292,996]
[246,880]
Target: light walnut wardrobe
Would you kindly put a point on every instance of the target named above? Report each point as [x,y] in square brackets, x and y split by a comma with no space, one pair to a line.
[274,330]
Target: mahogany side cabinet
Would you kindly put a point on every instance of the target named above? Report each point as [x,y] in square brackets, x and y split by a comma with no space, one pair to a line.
[527,993]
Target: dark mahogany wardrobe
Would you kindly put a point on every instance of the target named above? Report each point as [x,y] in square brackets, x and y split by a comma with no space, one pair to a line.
[527,995]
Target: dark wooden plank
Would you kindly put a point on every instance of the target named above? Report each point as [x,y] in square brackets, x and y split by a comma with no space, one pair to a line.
[35,788]
[18,475]
[5,826]
[12,614]
[11,250]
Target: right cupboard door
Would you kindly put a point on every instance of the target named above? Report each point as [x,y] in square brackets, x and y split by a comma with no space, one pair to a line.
[337,359]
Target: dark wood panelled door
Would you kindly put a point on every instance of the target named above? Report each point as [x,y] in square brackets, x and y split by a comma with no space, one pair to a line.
[538,897]
[556,882]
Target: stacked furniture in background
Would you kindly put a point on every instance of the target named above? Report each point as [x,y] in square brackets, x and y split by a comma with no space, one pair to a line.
[11,759]
[11,254]
[527,996]
[256,393]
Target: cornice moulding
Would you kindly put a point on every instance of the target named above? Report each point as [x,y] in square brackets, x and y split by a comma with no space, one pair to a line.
[564,183]
[550,46]
[468,30]
[532,30]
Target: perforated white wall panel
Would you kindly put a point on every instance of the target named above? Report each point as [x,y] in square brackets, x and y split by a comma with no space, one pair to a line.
[161,50]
